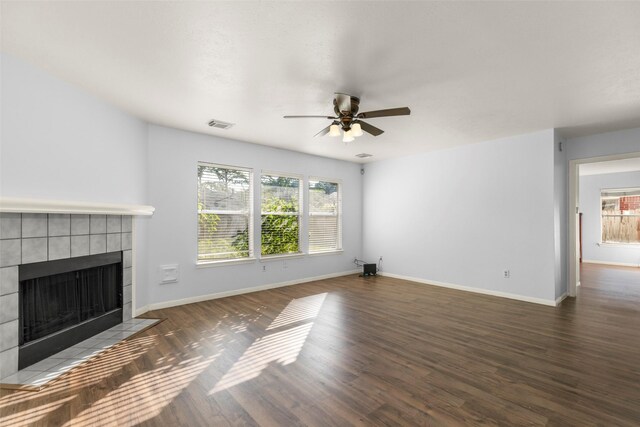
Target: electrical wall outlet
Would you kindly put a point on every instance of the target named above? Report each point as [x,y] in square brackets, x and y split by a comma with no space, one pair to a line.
[264,268]
[284,264]
[506,274]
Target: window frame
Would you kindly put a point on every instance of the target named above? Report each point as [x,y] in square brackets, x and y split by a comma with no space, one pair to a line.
[602,215]
[300,214]
[339,237]
[250,219]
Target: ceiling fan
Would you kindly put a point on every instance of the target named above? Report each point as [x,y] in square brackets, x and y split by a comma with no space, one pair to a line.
[348,118]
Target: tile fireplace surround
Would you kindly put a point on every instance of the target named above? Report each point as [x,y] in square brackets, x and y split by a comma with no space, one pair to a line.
[34,237]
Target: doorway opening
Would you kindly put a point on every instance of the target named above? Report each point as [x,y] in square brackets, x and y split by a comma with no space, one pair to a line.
[608,177]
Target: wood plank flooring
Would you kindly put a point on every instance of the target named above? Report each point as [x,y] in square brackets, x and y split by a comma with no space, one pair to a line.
[356,351]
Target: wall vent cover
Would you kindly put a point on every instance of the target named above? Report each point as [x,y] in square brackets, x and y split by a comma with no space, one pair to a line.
[364,155]
[220,124]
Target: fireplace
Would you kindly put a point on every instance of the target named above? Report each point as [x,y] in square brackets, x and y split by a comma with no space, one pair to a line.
[64,302]
[43,239]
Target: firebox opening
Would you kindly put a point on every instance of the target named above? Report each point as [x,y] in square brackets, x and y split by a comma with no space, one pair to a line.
[66,301]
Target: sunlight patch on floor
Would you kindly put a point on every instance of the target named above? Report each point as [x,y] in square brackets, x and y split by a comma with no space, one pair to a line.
[298,310]
[280,347]
[31,416]
[144,396]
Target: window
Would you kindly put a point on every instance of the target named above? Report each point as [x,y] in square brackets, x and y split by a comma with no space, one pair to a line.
[280,220]
[224,213]
[325,228]
[621,215]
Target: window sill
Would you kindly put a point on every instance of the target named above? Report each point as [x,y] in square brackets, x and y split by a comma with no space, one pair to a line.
[222,263]
[336,252]
[266,258]
[619,245]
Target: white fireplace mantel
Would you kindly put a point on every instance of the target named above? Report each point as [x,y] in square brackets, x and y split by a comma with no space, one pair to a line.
[68,207]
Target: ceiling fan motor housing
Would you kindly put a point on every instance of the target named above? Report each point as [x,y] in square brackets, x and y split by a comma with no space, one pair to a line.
[346,116]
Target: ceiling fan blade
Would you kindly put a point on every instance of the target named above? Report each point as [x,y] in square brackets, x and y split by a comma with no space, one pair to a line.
[403,111]
[323,132]
[370,129]
[343,101]
[310,117]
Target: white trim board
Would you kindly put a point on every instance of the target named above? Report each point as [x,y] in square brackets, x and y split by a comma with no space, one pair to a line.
[200,298]
[551,303]
[9,204]
[620,264]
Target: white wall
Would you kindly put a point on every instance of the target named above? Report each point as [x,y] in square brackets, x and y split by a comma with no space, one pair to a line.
[603,144]
[59,143]
[590,187]
[173,157]
[462,216]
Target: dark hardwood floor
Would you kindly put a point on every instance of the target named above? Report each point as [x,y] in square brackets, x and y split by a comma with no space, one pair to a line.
[374,351]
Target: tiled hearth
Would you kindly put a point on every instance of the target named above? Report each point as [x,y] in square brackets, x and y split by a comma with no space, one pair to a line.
[35,237]
[42,373]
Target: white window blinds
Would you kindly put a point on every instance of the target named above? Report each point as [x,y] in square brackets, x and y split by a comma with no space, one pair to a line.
[280,219]
[224,212]
[325,222]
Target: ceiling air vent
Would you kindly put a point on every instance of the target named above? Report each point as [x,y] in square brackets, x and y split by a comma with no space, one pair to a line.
[364,155]
[220,124]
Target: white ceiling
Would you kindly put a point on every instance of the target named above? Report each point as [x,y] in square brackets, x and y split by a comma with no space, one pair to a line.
[610,166]
[469,71]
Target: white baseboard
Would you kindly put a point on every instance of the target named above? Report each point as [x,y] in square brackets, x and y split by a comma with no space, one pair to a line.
[191,300]
[552,303]
[621,264]
[560,299]
[140,310]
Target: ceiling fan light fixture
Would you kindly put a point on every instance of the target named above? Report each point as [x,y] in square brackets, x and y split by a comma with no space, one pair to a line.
[347,118]
[356,129]
[348,136]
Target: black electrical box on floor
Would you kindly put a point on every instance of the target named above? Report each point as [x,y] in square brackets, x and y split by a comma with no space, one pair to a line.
[369,270]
